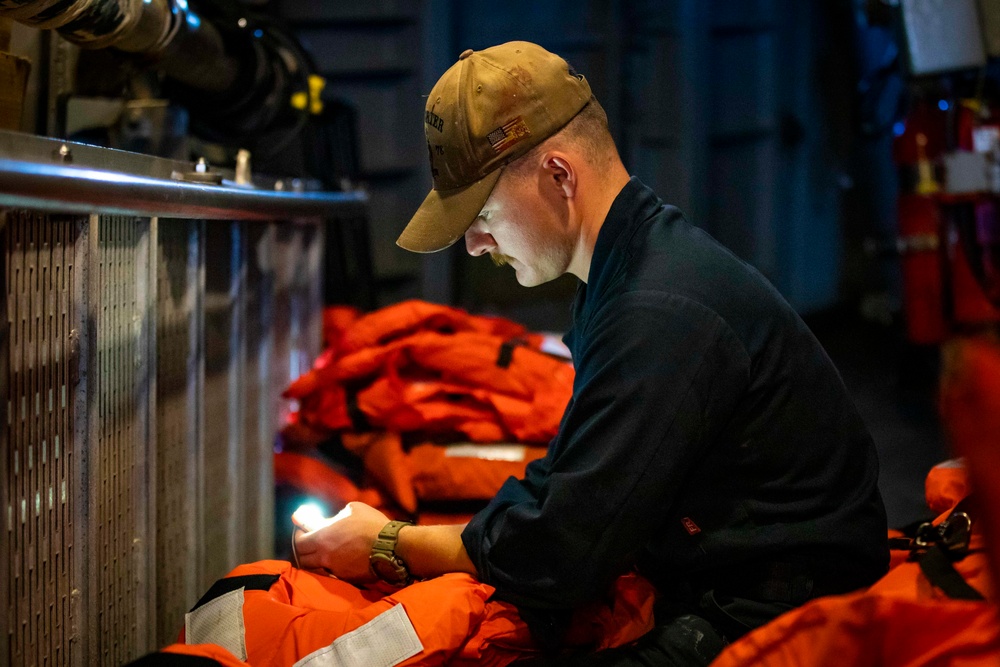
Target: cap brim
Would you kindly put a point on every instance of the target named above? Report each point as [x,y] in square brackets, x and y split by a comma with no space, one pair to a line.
[445,215]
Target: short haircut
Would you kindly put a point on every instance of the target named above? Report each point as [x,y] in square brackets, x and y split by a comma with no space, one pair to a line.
[587,132]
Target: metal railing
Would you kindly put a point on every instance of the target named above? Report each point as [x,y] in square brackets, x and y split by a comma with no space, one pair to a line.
[147,329]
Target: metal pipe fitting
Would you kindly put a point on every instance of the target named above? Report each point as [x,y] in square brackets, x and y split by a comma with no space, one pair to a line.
[187,49]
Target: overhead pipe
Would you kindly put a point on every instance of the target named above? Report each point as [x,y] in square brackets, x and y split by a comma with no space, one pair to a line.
[187,49]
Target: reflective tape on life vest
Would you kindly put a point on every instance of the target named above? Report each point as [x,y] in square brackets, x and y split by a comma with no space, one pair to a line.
[385,641]
[313,620]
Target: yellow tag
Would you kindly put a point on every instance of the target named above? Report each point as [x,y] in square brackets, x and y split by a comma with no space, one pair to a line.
[316,86]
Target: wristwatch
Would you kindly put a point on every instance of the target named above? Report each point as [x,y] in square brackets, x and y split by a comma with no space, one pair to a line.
[383,560]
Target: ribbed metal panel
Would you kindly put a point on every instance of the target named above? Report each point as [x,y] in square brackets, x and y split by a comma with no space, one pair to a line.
[40,493]
[119,429]
[141,362]
[179,377]
[223,425]
[261,410]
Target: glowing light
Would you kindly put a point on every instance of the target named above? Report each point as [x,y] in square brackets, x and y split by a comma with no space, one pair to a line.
[193,20]
[258,33]
[943,105]
[308,517]
[182,4]
[898,128]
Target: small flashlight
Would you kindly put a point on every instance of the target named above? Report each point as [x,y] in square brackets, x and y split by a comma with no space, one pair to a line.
[308,517]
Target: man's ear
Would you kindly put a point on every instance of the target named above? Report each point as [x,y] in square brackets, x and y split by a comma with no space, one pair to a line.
[560,173]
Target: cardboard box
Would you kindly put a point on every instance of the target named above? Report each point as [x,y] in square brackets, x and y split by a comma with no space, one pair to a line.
[13,82]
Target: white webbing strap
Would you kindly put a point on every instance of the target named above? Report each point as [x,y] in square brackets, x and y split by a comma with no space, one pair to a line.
[220,622]
[385,641]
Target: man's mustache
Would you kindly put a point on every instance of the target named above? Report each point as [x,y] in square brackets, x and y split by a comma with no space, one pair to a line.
[499,260]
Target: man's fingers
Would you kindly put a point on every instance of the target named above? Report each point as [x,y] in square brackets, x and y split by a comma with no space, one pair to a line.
[306,549]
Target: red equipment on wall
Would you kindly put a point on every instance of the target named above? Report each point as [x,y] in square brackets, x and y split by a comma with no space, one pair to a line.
[941,294]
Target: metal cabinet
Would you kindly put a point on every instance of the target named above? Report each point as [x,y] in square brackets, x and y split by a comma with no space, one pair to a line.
[148,328]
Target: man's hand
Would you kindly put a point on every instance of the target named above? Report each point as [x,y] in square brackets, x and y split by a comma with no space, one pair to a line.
[341,545]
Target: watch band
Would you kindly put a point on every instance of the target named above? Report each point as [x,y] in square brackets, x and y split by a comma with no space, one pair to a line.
[383,560]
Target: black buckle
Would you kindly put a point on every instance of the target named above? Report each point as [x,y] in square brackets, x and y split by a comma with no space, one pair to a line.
[952,535]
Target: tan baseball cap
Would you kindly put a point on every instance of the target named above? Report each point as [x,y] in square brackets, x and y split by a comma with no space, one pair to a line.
[488,109]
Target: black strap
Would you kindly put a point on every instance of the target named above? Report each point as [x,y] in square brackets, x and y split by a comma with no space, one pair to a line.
[506,355]
[359,420]
[251,582]
[900,543]
[938,569]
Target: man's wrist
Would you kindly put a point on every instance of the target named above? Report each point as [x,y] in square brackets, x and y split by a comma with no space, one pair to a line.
[430,551]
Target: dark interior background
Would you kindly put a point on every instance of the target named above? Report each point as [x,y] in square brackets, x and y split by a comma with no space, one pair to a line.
[760,119]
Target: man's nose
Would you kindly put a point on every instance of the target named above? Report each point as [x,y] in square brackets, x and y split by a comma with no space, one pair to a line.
[478,241]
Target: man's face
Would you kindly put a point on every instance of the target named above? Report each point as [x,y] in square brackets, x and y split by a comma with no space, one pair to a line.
[526,226]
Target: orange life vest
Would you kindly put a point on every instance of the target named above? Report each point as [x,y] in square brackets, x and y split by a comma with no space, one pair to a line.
[905,618]
[945,485]
[970,405]
[417,367]
[421,483]
[429,473]
[865,630]
[349,331]
[270,613]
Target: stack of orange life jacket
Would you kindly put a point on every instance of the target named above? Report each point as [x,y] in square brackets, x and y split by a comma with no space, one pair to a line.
[270,614]
[439,406]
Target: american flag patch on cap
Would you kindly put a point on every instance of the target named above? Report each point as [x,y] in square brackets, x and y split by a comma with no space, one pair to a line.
[507,135]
